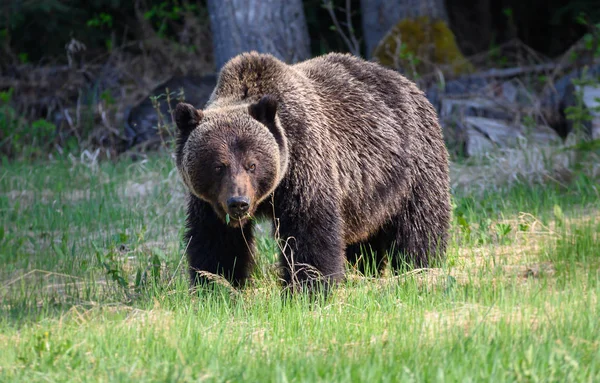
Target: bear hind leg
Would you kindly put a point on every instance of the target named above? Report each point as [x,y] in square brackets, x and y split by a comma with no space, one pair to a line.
[421,234]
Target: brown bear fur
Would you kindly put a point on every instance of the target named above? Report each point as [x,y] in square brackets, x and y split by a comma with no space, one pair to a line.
[347,155]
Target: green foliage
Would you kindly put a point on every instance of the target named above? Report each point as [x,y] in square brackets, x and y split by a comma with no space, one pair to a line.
[50,24]
[100,21]
[104,22]
[166,12]
[107,97]
[23,58]
[18,138]
[47,350]
[6,96]
[408,56]
[48,32]
[591,39]
[497,58]
[113,260]
[112,264]
[582,10]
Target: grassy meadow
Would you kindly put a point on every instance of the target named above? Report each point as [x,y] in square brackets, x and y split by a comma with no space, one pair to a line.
[93,287]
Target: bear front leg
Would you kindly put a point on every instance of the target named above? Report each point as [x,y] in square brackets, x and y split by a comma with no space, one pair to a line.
[216,248]
[311,244]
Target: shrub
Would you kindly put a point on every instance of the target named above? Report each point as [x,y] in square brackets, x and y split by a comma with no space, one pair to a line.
[20,139]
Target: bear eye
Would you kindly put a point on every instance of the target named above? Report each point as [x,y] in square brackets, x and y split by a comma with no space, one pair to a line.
[218,169]
[252,167]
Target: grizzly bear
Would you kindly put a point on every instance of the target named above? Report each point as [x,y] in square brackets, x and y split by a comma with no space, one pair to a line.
[342,155]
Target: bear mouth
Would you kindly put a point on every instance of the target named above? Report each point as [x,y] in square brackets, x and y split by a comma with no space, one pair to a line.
[237,220]
[232,219]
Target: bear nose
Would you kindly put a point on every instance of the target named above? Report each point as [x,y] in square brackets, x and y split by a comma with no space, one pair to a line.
[238,205]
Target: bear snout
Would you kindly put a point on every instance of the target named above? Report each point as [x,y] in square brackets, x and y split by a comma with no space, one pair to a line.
[238,206]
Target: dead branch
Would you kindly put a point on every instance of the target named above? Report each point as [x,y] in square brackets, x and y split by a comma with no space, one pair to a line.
[511,72]
[349,39]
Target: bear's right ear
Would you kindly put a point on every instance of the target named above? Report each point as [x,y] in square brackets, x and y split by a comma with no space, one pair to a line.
[264,110]
[187,117]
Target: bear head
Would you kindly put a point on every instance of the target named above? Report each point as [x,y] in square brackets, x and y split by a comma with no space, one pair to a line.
[232,157]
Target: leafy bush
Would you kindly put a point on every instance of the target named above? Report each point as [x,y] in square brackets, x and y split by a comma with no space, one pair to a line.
[99,24]
[19,138]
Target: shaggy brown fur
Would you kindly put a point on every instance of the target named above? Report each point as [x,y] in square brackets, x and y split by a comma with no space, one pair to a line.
[345,153]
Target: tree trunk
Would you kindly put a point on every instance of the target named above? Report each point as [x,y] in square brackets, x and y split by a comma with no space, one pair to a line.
[379,16]
[277,27]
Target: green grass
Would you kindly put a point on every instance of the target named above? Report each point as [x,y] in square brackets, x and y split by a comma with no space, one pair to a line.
[93,288]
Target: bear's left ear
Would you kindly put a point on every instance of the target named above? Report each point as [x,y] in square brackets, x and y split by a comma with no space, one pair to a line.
[187,117]
[264,110]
